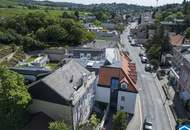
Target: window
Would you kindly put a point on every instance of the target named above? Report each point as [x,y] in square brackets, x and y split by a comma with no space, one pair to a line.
[122,98]
[81,55]
[121,107]
[124,86]
[114,83]
[88,56]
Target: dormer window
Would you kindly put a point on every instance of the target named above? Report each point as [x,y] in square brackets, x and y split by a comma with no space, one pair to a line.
[88,56]
[81,55]
[124,86]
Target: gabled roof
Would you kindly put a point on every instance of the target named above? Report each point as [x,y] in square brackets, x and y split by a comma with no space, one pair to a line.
[39,121]
[125,73]
[63,82]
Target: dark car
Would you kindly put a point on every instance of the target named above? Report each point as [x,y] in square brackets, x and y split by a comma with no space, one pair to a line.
[141,54]
[149,67]
[148,123]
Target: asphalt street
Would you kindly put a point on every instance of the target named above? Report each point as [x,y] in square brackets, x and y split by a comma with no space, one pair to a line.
[151,100]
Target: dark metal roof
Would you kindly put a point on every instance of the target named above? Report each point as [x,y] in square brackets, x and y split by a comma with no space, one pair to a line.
[58,84]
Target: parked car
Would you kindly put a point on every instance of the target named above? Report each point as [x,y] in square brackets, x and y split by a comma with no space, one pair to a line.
[133,44]
[130,40]
[148,123]
[141,54]
[149,67]
[144,59]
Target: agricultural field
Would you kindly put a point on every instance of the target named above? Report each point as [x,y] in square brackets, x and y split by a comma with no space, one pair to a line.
[8,2]
[19,10]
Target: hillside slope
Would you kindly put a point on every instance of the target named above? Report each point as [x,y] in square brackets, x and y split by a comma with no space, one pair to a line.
[9,2]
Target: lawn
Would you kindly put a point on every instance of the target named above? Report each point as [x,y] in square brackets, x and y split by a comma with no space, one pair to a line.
[30,59]
[7,12]
[8,2]
[52,66]
[55,13]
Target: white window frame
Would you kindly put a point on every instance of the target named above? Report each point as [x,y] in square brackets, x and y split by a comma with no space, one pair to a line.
[81,55]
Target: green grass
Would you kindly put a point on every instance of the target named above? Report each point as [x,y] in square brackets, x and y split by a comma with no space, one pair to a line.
[30,59]
[7,12]
[8,2]
[52,66]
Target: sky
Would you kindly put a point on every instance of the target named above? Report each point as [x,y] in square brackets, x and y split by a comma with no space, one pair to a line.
[139,2]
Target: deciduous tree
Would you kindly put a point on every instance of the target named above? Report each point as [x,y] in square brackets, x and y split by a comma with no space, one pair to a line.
[14,99]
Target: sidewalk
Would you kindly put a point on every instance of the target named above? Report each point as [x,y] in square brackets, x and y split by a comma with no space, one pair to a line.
[136,121]
[166,103]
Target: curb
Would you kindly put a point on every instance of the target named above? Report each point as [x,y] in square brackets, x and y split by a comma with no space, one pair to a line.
[163,101]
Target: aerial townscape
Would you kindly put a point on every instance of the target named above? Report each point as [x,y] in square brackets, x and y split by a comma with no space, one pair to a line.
[99,65]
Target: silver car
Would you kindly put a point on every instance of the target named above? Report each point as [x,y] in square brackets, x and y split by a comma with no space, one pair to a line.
[148,123]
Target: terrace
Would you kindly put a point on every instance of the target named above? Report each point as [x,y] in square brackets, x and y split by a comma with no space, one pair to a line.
[39,62]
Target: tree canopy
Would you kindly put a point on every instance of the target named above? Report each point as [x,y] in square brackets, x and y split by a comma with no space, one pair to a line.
[14,99]
[43,31]
[187,33]
[120,121]
[58,125]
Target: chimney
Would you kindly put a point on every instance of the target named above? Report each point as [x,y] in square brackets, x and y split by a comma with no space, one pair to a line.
[71,79]
[85,78]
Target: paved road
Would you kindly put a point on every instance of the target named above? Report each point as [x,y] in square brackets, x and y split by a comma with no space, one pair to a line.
[151,101]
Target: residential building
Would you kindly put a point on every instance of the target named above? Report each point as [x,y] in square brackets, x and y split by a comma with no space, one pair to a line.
[117,82]
[40,61]
[85,53]
[109,26]
[31,74]
[55,54]
[177,25]
[176,40]
[92,27]
[66,94]
[184,76]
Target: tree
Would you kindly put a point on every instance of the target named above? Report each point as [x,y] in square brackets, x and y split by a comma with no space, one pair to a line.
[97,22]
[58,125]
[14,99]
[77,14]
[41,34]
[31,44]
[179,15]
[101,16]
[120,121]
[36,20]
[67,24]
[55,33]
[120,27]
[90,36]
[76,36]
[94,121]
[187,33]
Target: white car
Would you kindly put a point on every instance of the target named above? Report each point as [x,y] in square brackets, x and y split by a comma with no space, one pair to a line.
[148,124]
[144,59]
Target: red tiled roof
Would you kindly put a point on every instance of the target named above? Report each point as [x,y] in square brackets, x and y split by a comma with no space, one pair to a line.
[176,40]
[127,73]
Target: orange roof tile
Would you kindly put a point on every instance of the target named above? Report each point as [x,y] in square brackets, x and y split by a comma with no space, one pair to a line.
[127,73]
[176,40]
